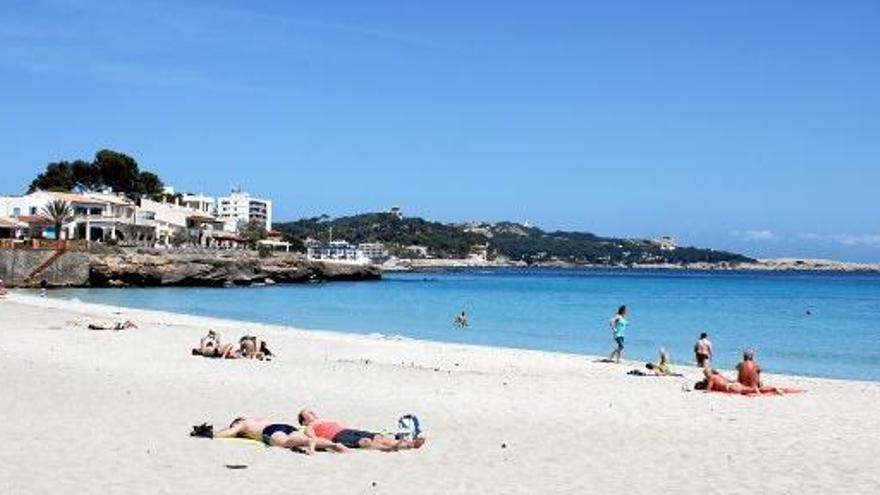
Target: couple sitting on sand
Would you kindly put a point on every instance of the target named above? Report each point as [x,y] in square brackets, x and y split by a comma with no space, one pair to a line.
[316,434]
[249,346]
[748,380]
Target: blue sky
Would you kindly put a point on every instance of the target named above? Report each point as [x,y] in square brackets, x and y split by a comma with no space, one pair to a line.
[747,125]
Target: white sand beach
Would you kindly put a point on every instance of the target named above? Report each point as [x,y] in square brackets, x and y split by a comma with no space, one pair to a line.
[109,412]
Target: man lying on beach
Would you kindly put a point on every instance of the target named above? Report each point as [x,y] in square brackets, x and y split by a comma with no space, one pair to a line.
[748,372]
[277,435]
[351,438]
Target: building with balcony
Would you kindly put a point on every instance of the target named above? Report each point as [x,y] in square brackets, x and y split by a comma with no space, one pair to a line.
[334,251]
[199,202]
[240,207]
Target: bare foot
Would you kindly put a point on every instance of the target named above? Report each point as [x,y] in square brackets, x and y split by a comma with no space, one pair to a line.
[418,442]
[310,449]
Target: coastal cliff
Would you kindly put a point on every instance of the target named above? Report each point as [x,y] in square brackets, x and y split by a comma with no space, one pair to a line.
[146,267]
[158,267]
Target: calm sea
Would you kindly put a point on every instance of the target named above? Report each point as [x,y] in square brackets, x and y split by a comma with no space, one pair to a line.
[815,324]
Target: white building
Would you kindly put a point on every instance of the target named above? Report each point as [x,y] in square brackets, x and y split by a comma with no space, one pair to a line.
[95,216]
[200,202]
[666,243]
[241,207]
[373,250]
[334,251]
[174,222]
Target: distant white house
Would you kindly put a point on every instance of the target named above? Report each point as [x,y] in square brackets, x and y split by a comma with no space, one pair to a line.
[199,202]
[373,250]
[396,212]
[420,251]
[666,243]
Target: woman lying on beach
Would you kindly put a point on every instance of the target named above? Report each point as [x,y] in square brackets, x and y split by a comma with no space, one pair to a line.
[254,347]
[126,325]
[210,346]
[716,382]
[277,434]
[660,368]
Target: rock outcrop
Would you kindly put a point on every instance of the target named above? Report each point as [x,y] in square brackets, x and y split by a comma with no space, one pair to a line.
[147,267]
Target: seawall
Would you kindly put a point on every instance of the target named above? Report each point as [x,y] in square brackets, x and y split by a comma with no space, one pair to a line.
[68,269]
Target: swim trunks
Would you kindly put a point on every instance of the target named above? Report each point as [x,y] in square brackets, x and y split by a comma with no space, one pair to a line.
[352,438]
[275,428]
[619,341]
[701,359]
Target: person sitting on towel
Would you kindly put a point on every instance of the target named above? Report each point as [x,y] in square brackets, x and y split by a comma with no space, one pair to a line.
[277,434]
[351,438]
[748,371]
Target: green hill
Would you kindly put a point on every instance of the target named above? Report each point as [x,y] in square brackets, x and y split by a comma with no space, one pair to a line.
[504,239]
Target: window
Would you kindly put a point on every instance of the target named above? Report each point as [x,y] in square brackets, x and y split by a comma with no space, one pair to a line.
[16,212]
[33,210]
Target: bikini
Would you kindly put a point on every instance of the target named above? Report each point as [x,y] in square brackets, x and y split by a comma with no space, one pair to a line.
[275,428]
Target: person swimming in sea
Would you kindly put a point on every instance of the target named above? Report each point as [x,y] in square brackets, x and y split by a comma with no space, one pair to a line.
[618,324]
[461,320]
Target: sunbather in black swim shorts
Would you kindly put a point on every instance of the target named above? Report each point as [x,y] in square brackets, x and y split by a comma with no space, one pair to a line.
[352,438]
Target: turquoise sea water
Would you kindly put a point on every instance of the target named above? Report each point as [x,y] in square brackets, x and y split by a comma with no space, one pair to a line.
[567,310]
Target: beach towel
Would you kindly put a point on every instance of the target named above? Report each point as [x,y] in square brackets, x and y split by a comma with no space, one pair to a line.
[784,391]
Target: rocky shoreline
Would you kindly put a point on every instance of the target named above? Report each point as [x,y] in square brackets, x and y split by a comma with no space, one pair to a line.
[764,265]
[147,268]
[159,267]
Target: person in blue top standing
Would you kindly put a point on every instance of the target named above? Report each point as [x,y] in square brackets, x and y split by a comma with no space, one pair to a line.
[618,325]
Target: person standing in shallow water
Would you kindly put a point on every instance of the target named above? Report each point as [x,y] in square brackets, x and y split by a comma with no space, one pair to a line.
[618,326]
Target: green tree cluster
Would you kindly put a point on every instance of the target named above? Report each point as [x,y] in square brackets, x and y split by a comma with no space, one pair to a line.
[112,169]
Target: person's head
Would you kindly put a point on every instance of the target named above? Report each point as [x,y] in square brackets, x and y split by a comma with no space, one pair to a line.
[701,385]
[621,311]
[748,355]
[704,335]
[307,417]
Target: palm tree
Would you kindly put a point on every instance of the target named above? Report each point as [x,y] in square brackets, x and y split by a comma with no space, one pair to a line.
[58,212]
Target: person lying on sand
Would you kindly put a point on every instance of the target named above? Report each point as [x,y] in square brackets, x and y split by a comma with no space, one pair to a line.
[716,382]
[748,372]
[661,368]
[277,435]
[254,347]
[126,325]
[210,346]
[351,438]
